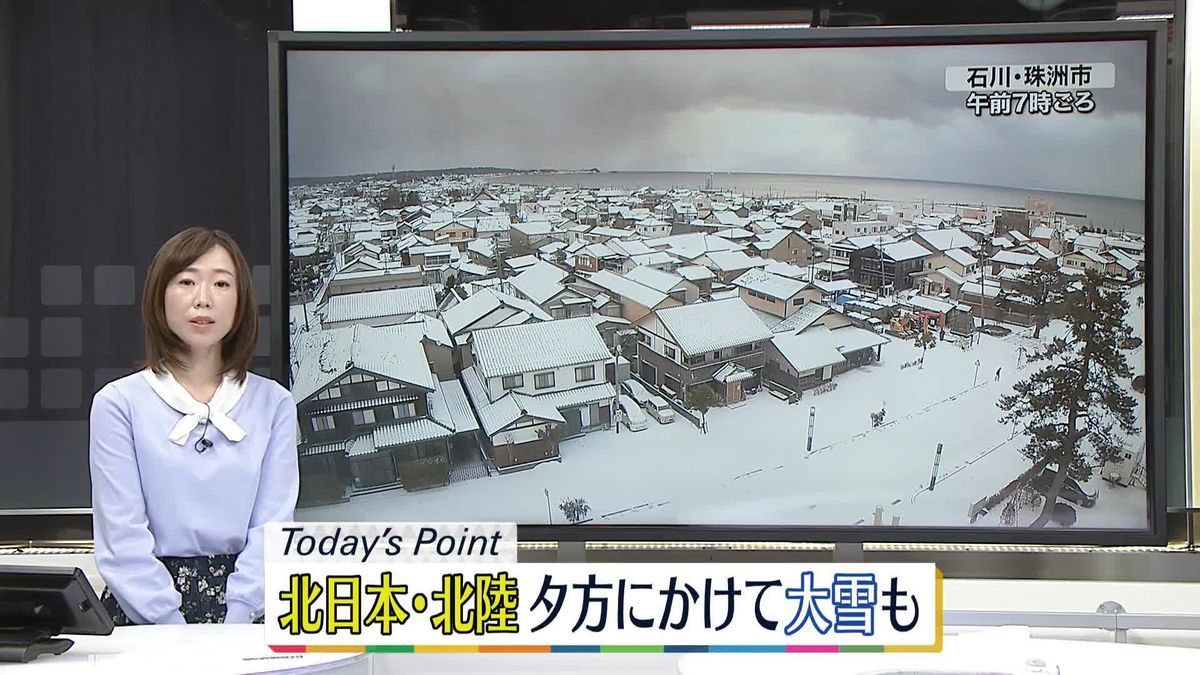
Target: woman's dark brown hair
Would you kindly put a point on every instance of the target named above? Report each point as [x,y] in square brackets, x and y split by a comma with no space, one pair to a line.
[163,346]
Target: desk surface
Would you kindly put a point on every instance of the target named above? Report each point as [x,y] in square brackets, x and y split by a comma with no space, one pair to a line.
[176,650]
[995,651]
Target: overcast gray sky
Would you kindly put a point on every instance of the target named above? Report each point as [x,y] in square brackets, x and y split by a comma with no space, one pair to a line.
[880,111]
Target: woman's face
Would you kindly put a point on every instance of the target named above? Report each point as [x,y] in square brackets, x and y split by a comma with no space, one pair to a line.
[201,301]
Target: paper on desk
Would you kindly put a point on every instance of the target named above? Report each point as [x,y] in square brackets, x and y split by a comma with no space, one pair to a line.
[995,651]
[232,654]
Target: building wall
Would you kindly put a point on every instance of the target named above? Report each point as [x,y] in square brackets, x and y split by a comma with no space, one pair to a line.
[564,380]
[794,249]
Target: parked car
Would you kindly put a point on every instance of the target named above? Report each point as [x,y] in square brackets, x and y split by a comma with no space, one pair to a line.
[636,391]
[632,414]
[1072,491]
[660,410]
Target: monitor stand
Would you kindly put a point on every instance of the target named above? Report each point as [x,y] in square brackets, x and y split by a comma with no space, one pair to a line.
[22,645]
[848,552]
[571,552]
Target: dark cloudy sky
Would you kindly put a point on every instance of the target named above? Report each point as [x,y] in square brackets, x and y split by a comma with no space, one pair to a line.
[861,112]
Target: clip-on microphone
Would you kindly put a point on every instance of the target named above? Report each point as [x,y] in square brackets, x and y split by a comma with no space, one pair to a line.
[204,444]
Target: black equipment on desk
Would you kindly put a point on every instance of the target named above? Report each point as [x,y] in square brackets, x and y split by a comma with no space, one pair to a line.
[38,603]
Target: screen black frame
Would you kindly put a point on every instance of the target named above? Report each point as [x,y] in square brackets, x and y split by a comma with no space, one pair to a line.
[1154,33]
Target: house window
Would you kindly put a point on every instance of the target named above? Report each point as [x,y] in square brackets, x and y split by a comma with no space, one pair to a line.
[386,385]
[332,392]
[559,312]
[403,411]
[363,416]
[584,374]
[512,381]
[322,423]
[797,302]
[543,380]
[670,352]
[644,337]
[694,360]
[745,349]
[716,356]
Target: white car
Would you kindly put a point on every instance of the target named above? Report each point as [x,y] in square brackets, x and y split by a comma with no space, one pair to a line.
[635,391]
[632,415]
[660,410]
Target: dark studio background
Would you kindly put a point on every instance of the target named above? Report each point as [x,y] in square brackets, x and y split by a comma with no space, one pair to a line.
[125,121]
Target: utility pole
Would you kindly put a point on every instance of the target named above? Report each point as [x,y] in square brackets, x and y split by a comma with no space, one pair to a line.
[937,461]
[812,417]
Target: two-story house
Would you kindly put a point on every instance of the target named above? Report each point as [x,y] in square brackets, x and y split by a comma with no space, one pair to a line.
[718,343]
[486,308]
[889,265]
[535,384]
[789,246]
[636,299]
[773,294]
[673,285]
[544,285]
[371,414]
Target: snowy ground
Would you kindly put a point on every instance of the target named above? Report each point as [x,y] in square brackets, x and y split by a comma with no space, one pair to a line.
[752,468]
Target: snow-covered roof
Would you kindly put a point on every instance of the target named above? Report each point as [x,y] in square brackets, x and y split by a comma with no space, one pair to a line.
[522,262]
[931,304]
[809,314]
[537,346]
[693,245]
[599,251]
[732,261]
[732,372]
[448,406]
[961,257]
[654,258]
[482,247]
[484,302]
[1012,258]
[663,282]
[1091,255]
[391,352]
[422,327]
[1130,245]
[950,275]
[578,396]
[709,326]
[534,228]
[839,286]
[905,250]
[695,273]
[1088,241]
[807,350]
[945,240]
[495,416]
[375,304]
[629,247]
[783,269]
[628,288]
[539,282]
[771,285]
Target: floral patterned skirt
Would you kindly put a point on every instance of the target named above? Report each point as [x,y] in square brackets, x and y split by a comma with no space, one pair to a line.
[200,581]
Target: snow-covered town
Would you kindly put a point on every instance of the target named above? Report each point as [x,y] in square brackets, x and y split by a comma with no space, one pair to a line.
[472,346]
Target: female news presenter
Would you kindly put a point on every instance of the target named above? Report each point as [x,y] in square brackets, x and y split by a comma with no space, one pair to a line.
[191,456]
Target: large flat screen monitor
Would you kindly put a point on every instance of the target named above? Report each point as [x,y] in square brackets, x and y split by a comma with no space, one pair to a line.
[869,284]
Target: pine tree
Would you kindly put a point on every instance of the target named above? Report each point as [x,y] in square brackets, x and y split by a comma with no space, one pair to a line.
[1075,408]
[1045,287]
